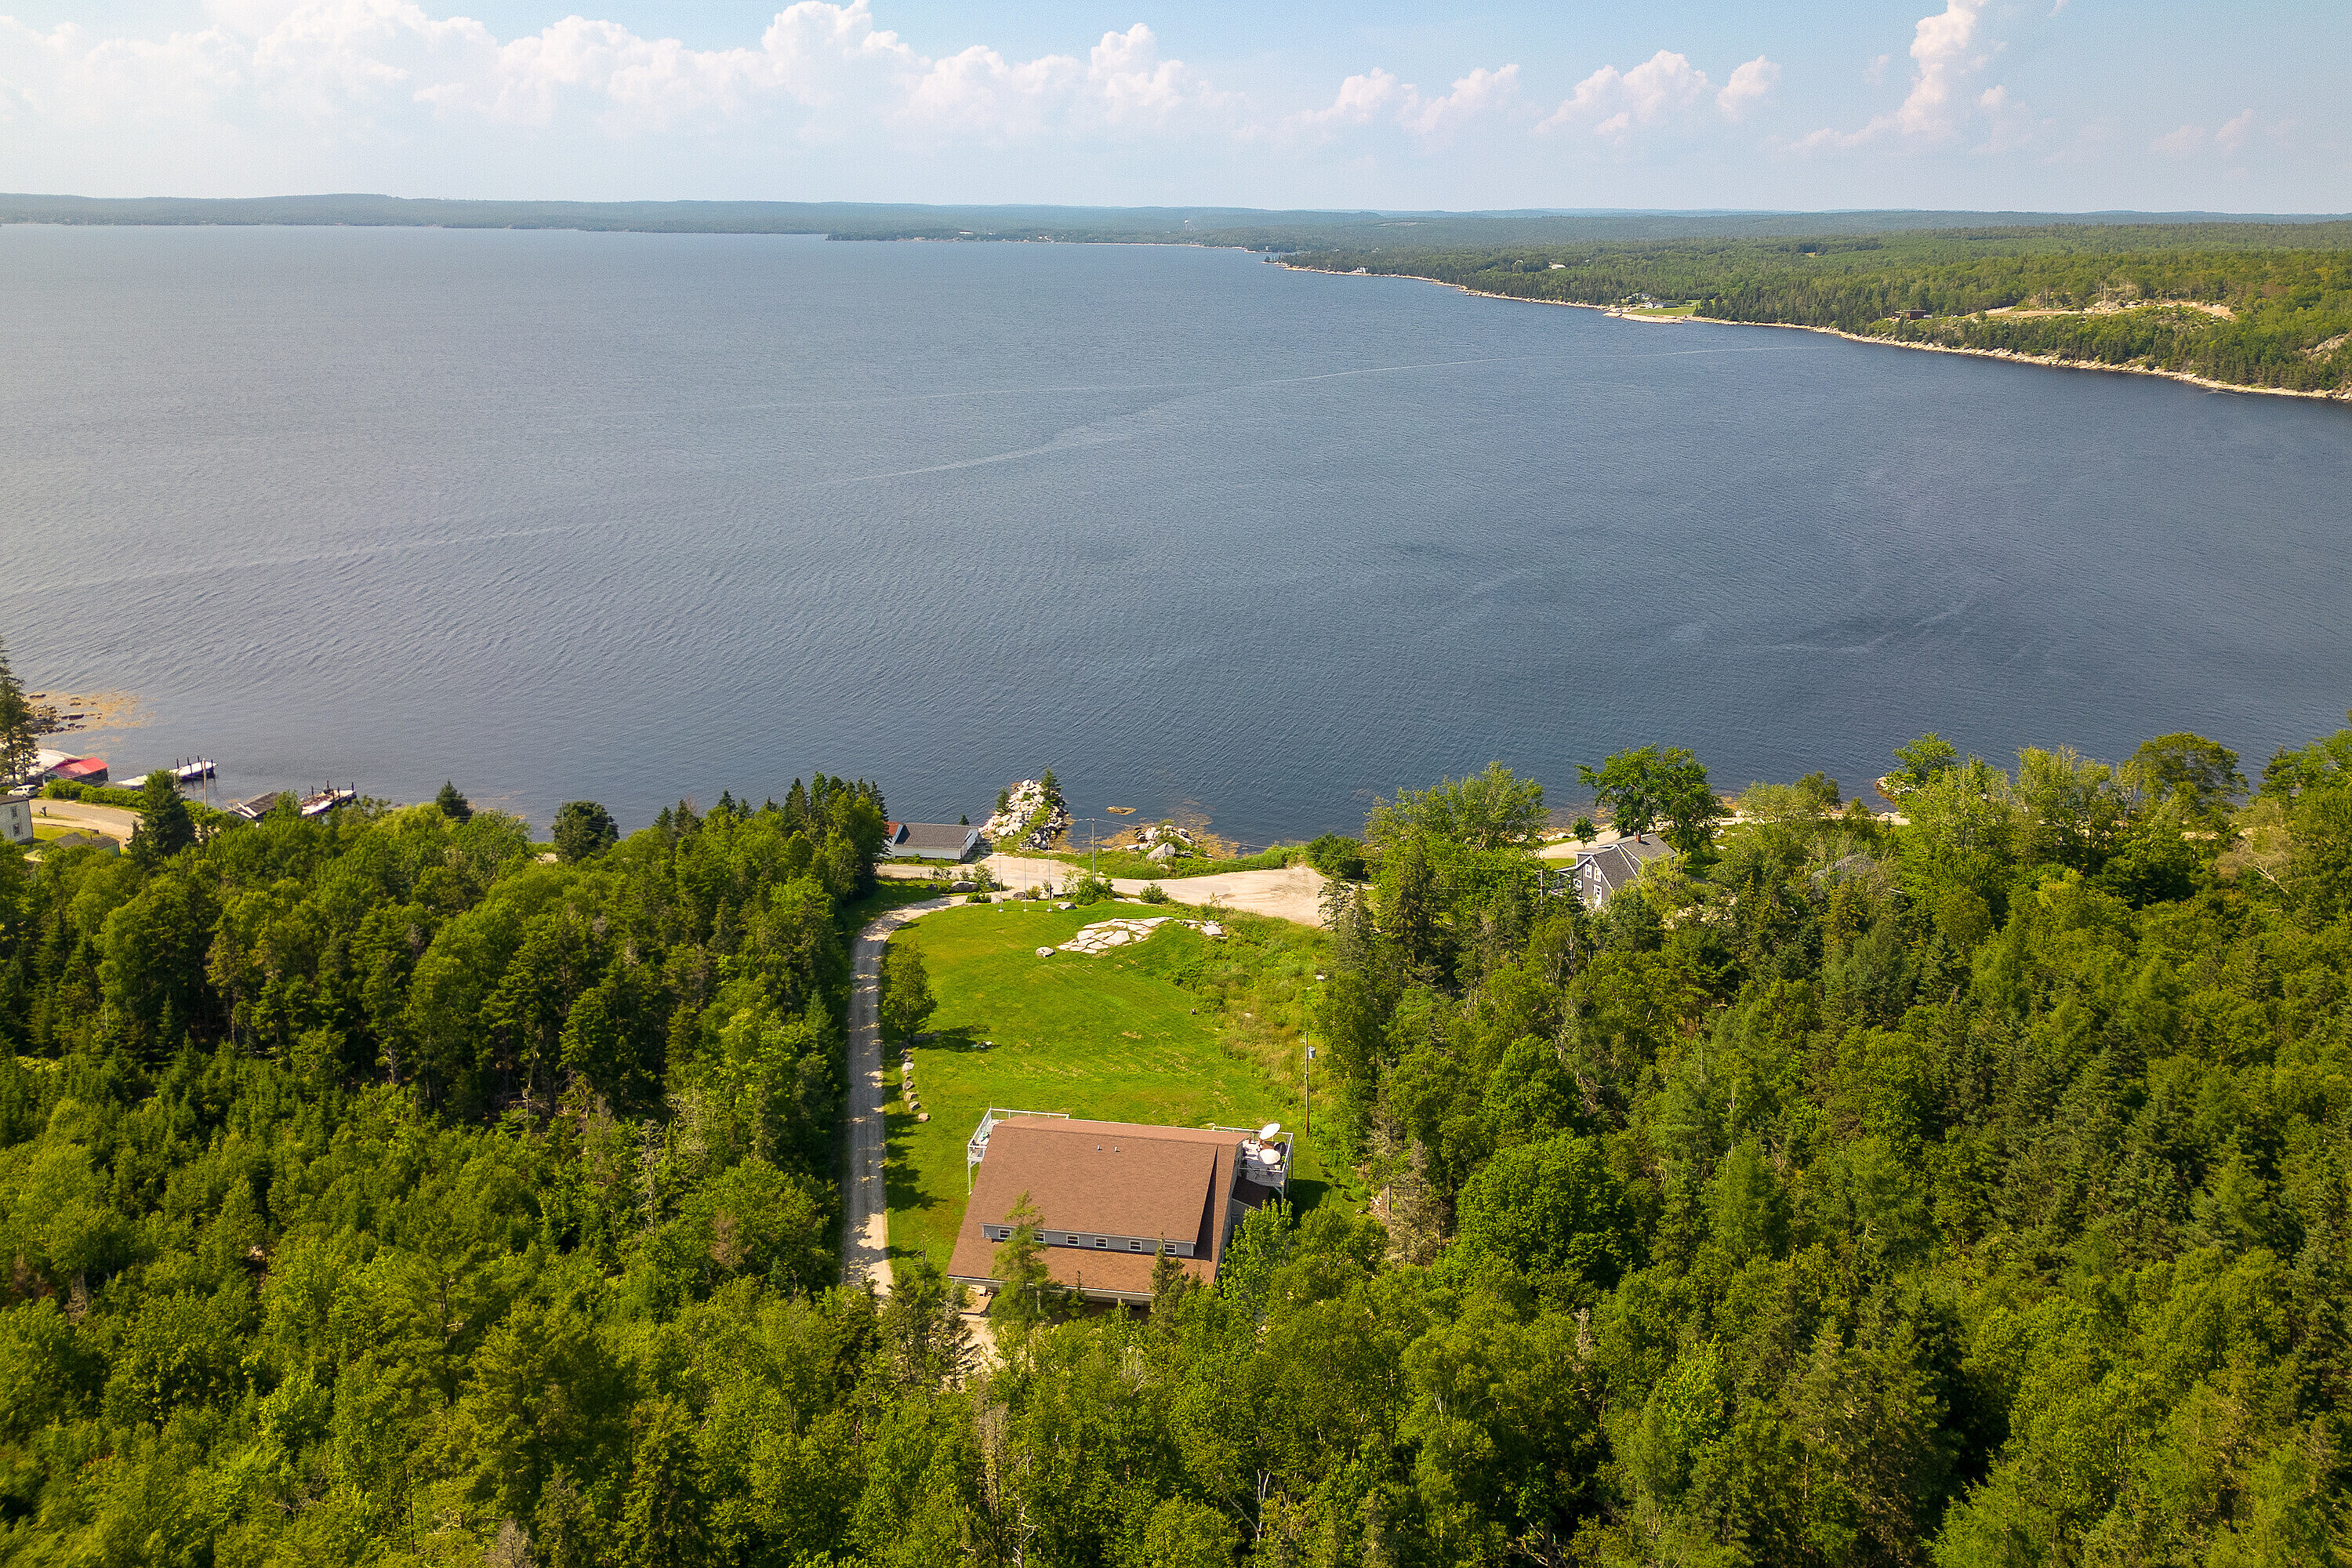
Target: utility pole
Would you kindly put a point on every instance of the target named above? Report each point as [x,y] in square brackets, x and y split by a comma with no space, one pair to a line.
[1306,1073]
[1307,1095]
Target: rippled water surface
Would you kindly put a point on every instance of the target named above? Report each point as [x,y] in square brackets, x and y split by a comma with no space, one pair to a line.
[633,518]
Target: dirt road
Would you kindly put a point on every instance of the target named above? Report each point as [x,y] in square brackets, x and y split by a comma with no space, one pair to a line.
[111,820]
[866,1199]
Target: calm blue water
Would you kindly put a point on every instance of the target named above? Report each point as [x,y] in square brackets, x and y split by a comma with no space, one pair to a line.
[632,517]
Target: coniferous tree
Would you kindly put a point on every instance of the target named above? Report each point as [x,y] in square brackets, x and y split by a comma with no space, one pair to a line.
[664,1516]
[583,828]
[454,805]
[165,827]
[16,747]
[1024,1283]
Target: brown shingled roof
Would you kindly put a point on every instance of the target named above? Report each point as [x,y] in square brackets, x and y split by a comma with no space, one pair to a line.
[1122,1182]
[1107,1177]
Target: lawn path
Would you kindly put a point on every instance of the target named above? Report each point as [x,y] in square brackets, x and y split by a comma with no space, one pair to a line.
[865,1218]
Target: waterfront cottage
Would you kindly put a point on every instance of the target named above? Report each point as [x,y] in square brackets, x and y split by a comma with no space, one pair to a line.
[931,841]
[1604,871]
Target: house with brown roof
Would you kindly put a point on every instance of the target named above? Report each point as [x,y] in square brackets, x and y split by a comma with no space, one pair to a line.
[1109,1193]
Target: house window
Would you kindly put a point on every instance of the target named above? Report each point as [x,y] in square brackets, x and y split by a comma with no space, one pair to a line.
[1135,1246]
[1102,1241]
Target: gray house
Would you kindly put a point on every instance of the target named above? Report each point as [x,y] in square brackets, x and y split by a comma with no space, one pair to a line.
[1600,872]
[17,816]
[931,841]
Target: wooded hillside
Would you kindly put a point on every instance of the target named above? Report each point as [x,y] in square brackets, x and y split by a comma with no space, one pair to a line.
[2118,294]
[1973,1191]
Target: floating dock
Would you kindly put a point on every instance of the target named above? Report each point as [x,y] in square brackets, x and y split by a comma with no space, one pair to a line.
[318,803]
[321,802]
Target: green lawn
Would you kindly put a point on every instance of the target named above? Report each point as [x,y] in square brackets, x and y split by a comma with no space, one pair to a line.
[1110,1037]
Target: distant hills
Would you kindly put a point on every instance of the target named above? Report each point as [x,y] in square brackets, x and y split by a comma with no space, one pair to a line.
[1245,226]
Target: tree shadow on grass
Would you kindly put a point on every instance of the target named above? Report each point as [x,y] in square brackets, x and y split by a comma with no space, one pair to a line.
[960,1040]
[1304,1194]
[900,1192]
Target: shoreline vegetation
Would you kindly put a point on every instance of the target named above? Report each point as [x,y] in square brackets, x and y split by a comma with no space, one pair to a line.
[2250,307]
[2339,394]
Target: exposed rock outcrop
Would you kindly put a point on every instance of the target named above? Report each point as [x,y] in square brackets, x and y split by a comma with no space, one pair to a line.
[1032,815]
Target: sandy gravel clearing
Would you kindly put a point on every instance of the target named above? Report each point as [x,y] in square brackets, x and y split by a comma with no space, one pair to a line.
[1292,893]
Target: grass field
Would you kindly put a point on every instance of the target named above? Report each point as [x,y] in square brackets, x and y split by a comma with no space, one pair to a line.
[1151,1033]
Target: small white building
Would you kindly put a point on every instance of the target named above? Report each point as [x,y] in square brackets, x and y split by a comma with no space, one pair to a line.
[17,816]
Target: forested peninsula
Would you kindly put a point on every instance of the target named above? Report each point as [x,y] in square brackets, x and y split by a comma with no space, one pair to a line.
[2252,305]
[1970,1188]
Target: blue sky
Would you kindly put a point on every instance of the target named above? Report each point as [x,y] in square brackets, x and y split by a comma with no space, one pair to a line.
[2044,104]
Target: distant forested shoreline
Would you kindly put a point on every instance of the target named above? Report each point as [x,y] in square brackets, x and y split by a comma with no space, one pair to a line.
[2253,305]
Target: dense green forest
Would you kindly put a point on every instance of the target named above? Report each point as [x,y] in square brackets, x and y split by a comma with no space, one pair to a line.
[1971,1190]
[2123,295]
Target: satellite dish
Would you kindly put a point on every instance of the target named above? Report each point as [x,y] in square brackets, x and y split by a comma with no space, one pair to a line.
[1269,1130]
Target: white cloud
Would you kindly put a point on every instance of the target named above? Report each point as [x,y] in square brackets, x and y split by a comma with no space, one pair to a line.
[1609,104]
[821,99]
[1941,46]
[1377,95]
[1360,99]
[1749,85]
[357,62]
[1481,92]
[2228,136]
[1944,53]
[1134,84]
[2011,125]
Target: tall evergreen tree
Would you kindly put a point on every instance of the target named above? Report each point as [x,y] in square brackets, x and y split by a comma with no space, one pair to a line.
[165,828]
[583,828]
[17,746]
